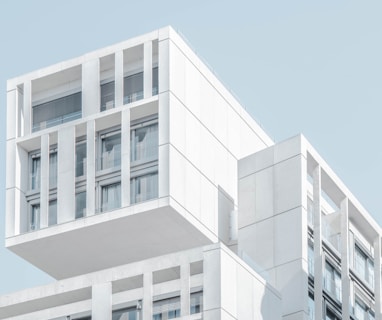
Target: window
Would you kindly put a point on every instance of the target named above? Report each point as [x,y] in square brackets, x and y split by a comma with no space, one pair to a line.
[57,111]
[144,187]
[310,260]
[144,143]
[126,314]
[133,88]
[330,315]
[35,175]
[144,157]
[364,266]
[80,158]
[80,205]
[362,311]
[110,150]
[166,308]
[196,302]
[52,214]
[332,281]
[111,197]
[310,212]
[53,168]
[311,306]
[34,217]
[155,81]
[107,95]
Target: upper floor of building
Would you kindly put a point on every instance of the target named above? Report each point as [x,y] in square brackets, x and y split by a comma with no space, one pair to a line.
[131,145]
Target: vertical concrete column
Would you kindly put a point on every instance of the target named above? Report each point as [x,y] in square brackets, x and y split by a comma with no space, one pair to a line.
[185,289]
[147,310]
[164,64]
[27,107]
[318,255]
[125,157]
[377,278]
[102,301]
[12,109]
[119,78]
[90,87]
[148,69]
[44,186]
[345,278]
[90,167]
[66,181]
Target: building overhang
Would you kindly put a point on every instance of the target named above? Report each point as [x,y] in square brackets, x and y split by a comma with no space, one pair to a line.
[110,239]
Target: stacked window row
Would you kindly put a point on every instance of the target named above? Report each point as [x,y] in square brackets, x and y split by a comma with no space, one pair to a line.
[143,172]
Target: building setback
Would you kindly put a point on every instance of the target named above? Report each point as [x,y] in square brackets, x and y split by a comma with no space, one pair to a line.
[139,182]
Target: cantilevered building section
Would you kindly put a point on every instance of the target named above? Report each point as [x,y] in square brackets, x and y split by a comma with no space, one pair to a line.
[138,181]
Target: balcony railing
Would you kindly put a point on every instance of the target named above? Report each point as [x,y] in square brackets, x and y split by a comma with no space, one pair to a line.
[56,121]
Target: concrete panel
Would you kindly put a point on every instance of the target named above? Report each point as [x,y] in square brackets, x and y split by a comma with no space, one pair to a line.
[163,118]
[90,87]
[264,203]
[208,207]
[206,101]
[289,236]
[225,207]
[212,280]
[177,72]
[44,186]
[164,171]
[192,89]
[90,167]
[10,174]
[207,151]
[292,282]
[257,241]
[193,136]
[119,78]
[27,107]
[245,296]
[163,65]
[177,124]
[125,153]
[229,284]
[247,200]
[102,301]
[192,187]
[287,185]
[177,176]
[10,212]
[287,149]
[220,121]
[271,306]
[147,69]
[66,175]
[233,125]
[11,114]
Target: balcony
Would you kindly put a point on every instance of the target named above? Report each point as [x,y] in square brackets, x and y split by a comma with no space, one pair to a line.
[56,112]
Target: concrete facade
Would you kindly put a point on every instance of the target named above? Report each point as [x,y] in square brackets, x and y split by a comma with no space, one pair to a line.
[138,181]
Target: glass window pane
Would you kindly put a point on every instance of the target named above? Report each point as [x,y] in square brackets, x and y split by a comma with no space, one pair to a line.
[133,88]
[144,188]
[80,159]
[107,95]
[111,197]
[34,219]
[155,81]
[57,111]
[53,170]
[144,143]
[52,219]
[111,151]
[80,204]
[196,302]
[35,173]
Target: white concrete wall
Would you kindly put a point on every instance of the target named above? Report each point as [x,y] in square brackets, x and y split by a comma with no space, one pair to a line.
[272,220]
[207,135]
[232,290]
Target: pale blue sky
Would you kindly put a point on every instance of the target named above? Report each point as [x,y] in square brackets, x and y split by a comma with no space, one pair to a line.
[298,66]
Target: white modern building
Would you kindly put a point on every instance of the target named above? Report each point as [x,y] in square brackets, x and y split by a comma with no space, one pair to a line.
[138,181]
